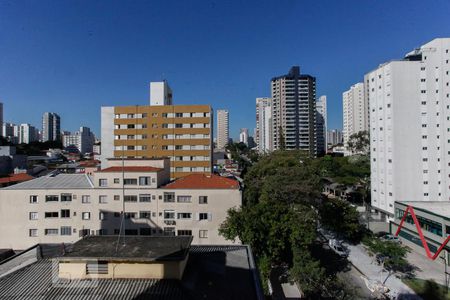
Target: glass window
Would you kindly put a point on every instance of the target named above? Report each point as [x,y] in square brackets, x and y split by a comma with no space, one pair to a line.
[51,198]
[203,199]
[130,198]
[144,180]
[169,197]
[169,214]
[184,232]
[86,215]
[33,232]
[203,234]
[102,215]
[65,213]
[66,230]
[184,199]
[203,216]
[184,215]
[51,231]
[103,182]
[66,197]
[86,199]
[51,214]
[130,181]
[102,199]
[130,215]
[145,214]
[33,215]
[145,198]
[33,199]
[116,180]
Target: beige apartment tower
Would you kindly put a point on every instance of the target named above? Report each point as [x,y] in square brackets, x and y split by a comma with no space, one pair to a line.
[223,128]
[181,132]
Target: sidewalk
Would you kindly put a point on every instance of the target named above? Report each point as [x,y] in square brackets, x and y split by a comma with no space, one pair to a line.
[427,268]
[366,264]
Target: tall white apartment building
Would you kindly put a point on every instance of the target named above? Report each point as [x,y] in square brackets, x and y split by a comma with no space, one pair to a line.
[63,208]
[334,137]
[355,111]
[223,128]
[27,133]
[294,111]
[410,127]
[243,136]
[51,127]
[160,93]
[321,124]
[82,139]
[263,130]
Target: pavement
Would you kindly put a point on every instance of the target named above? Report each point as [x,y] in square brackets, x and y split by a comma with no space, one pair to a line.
[427,268]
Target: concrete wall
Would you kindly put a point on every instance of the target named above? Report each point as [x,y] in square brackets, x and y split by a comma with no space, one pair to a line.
[107,134]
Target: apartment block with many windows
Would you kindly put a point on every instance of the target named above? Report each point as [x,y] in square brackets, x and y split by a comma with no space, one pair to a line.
[65,207]
[181,132]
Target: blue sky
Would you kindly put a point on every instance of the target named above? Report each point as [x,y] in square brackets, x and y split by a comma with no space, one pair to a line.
[72,57]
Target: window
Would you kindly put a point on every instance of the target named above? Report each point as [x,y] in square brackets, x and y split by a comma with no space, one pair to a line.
[130,137]
[145,198]
[130,215]
[184,232]
[130,181]
[51,214]
[65,213]
[103,182]
[85,199]
[97,267]
[130,198]
[102,215]
[66,230]
[184,215]
[116,214]
[145,215]
[144,180]
[51,198]
[33,199]
[66,197]
[130,116]
[184,199]
[178,115]
[51,231]
[102,199]
[169,197]
[169,214]
[116,197]
[33,215]
[33,232]
[203,234]
[203,216]
[130,126]
[116,180]
[178,125]
[86,215]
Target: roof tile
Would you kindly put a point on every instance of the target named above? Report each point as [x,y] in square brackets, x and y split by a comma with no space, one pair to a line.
[202,181]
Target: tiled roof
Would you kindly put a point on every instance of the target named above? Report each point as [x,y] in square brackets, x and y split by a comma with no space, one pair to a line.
[131,169]
[60,181]
[16,178]
[202,181]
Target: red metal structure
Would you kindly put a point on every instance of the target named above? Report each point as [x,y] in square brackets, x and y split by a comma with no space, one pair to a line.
[419,230]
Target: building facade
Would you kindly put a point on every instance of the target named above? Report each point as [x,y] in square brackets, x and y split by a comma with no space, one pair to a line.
[65,207]
[321,125]
[355,111]
[160,93]
[27,134]
[294,112]
[410,127]
[181,132]
[82,139]
[263,130]
[243,136]
[223,128]
[334,137]
[1,117]
[51,127]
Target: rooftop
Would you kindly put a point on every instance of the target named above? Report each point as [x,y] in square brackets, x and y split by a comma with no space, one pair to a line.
[202,181]
[59,181]
[441,208]
[15,178]
[131,248]
[136,169]
[212,272]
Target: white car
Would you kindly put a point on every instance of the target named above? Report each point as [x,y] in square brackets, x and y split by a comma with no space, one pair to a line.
[337,247]
[392,238]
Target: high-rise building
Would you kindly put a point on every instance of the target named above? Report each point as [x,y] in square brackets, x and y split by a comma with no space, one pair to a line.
[321,125]
[243,136]
[223,128]
[51,127]
[27,134]
[355,111]
[410,127]
[9,133]
[160,93]
[334,137]
[263,130]
[181,132]
[1,117]
[294,111]
[83,140]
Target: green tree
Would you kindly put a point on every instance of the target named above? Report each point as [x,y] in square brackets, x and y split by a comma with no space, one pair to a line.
[359,142]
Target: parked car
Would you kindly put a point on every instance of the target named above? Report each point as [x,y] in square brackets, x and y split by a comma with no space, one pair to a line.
[392,238]
[337,247]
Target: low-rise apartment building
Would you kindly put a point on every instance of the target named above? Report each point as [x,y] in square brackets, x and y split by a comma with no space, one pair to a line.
[65,207]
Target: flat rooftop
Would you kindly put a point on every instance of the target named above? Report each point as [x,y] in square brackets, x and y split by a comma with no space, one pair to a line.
[59,181]
[441,208]
[130,248]
[212,272]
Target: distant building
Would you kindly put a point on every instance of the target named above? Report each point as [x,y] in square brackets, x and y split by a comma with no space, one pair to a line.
[263,130]
[160,93]
[27,134]
[223,128]
[62,208]
[243,136]
[294,111]
[11,132]
[410,128]
[83,140]
[97,148]
[9,160]
[334,137]
[355,111]
[1,117]
[51,127]
[321,125]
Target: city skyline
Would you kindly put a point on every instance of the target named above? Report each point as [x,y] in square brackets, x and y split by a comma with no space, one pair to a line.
[63,59]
